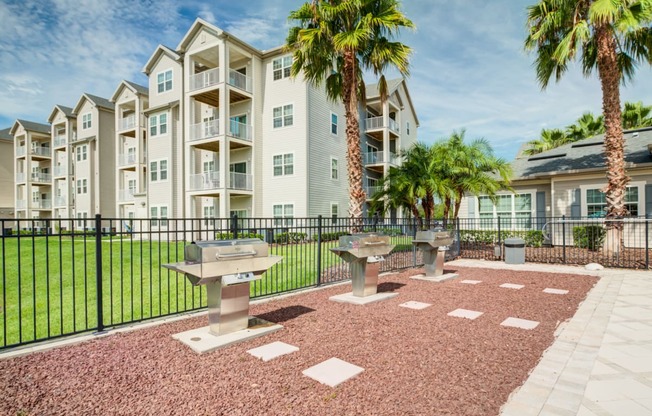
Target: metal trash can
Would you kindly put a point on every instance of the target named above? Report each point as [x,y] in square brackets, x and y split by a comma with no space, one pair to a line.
[514,251]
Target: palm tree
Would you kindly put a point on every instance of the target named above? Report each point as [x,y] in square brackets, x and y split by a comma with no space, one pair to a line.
[610,35]
[398,190]
[550,138]
[636,115]
[587,125]
[333,42]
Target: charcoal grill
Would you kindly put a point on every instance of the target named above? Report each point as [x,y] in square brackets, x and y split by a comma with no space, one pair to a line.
[364,252]
[226,268]
[432,243]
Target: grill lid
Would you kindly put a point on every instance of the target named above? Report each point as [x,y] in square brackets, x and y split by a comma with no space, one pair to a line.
[363,245]
[434,238]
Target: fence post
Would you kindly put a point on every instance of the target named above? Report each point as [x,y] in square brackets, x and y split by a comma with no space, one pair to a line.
[234,226]
[500,246]
[319,219]
[647,242]
[414,248]
[98,272]
[563,238]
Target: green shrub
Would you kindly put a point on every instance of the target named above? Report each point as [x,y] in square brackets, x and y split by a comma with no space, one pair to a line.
[589,236]
[330,236]
[533,238]
[289,237]
[399,248]
[229,236]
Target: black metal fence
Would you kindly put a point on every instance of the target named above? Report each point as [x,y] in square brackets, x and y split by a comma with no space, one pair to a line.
[60,275]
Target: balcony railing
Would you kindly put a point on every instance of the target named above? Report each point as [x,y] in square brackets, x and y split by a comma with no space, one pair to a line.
[20,151]
[204,181]
[60,170]
[60,141]
[239,80]
[41,177]
[127,123]
[240,130]
[40,151]
[204,130]
[42,204]
[204,79]
[373,158]
[127,159]
[374,123]
[126,195]
[60,201]
[21,203]
[371,190]
[242,181]
[20,177]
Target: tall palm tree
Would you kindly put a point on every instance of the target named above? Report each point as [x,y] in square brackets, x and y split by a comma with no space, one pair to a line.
[587,125]
[612,36]
[398,190]
[550,138]
[636,115]
[333,42]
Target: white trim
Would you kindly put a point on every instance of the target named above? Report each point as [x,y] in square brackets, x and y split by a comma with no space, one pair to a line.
[282,107]
[337,124]
[157,217]
[636,184]
[283,67]
[90,121]
[158,171]
[157,126]
[171,80]
[330,169]
[283,218]
[283,174]
[533,208]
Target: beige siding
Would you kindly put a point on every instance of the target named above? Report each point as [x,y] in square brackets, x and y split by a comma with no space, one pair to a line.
[7,187]
[163,64]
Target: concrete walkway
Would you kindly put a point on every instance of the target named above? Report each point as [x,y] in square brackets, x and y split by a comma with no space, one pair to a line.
[601,362]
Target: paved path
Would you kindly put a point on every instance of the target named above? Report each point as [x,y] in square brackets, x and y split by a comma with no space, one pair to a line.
[601,362]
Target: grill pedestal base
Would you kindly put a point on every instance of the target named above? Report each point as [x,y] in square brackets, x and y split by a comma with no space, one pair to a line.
[357,300]
[364,277]
[433,261]
[228,307]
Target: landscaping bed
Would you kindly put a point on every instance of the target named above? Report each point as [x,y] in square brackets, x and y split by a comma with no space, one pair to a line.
[416,362]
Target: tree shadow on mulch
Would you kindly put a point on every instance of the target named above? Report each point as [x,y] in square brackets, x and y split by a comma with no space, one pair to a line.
[285,314]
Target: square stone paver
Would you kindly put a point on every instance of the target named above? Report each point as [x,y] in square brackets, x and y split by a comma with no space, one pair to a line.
[465,313]
[471,282]
[512,286]
[270,351]
[332,372]
[520,323]
[413,304]
[555,291]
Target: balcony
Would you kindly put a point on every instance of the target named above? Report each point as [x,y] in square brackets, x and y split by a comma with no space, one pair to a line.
[60,170]
[60,201]
[21,203]
[204,79]
[240,130]
[371,190]
[128,159]
[126,195]
[374,158]
[375,123]
[241,181]
[41,177]
[204,130]
[127,123]
[20,151]
[60,141]
[42,151]
[205,181]
[42,204]
[20,177]
[239,80]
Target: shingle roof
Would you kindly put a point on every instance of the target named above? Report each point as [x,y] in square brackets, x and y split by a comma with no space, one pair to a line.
[583,155]
[101,102]
[392,84]
[37,127]
[5,134]
[66,110]
[139,88]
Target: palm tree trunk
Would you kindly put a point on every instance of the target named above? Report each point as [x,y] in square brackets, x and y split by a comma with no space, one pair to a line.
[458,204]
[357,195]
[617,178]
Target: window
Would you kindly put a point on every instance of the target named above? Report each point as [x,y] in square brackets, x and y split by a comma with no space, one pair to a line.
[284,164]
[86,121]
[334,211]
[131,185]
[283,116]
[158,212]
[281,67]
[334,123]
[82,152]
[158,124]
[283,214]
[513,210]
[164,81]
[209,215]
[82,186]
[81,219]
[335,173]
[158,170]
[596,203]
[209,166]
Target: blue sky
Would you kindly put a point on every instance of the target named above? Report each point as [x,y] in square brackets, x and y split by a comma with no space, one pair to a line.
[469,69]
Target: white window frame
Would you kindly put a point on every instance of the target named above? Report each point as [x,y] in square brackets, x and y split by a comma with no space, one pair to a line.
[284,166]
[81,186]
[164,82]
[283,116]
[284,67]
[335,172]
[584,210]
[208,166]
[282,219]
[335,213]
[155,169]
[512,219]
[209,214]
[81,215]
[82,153]
[157,219]
[334,125]
[87,121]
[158,124]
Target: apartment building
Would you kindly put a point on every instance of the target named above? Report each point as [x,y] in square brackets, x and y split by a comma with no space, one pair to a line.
[7,202]
[32,167]
[221,128]
[94,152]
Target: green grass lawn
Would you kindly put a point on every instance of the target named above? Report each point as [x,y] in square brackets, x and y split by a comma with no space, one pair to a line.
[49,283]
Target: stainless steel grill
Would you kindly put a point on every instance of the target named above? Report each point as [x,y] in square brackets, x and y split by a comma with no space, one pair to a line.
[226,268]
[363,252]
[431,243]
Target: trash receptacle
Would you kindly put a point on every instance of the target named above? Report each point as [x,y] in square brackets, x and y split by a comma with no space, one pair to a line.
[514,251]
